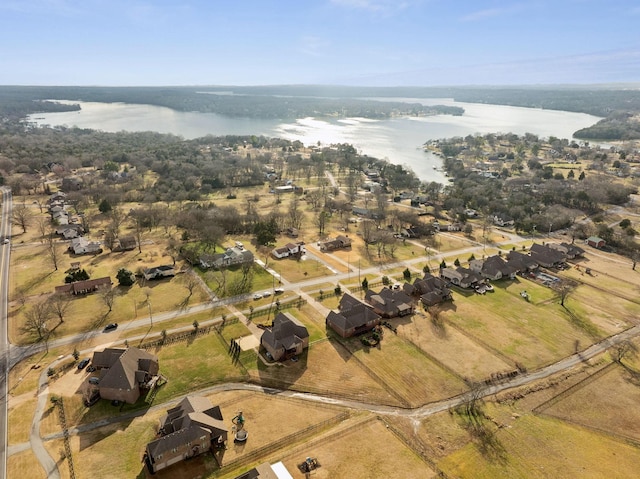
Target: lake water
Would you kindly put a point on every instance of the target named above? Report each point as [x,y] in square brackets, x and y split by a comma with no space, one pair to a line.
[399,140]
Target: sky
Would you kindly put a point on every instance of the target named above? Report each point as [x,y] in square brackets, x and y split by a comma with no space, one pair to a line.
[339,42]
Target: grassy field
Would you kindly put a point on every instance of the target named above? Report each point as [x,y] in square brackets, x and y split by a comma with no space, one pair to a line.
[405,370]
[542,447]
[614,412]
[19,464]
[20,418]
[471,360]
[325,368]
[535,333]
[354,455]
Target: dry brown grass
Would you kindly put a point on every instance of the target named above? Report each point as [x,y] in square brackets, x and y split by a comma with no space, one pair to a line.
[25,464]
[608,403]
[470,360]
[19,421]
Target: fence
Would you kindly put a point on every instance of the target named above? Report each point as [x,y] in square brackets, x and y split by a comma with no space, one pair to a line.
[297,303]
[285,441]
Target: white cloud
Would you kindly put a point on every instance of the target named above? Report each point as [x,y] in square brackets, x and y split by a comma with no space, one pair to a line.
[376,6]
[480,15]
[313,46]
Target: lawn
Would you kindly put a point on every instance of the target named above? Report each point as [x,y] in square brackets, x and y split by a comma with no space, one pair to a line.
[534,333]
[19,464]
[20,418]
[325,368]
[295,271]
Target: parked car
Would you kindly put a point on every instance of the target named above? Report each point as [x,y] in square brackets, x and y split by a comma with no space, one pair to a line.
[266,294]
[83,364]
[91,368]
[489,287]
[278,290]
[257,296]
[91,400]
[94,380]
[480,289]
[111,327]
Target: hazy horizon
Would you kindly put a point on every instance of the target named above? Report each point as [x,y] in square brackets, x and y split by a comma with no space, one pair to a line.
[432,43]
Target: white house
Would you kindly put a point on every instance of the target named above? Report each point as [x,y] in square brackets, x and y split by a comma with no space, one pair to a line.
[290,249]
[82,245]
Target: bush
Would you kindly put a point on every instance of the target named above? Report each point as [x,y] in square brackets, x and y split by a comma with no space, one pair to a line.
[385,280]
[125,277]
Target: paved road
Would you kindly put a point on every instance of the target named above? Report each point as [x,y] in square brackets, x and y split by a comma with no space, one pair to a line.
[5,252]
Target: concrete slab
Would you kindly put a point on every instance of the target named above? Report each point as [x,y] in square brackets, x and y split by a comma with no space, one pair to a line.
[248,342]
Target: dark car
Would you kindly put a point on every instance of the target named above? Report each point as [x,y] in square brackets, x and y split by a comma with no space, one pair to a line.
[91,368]
[82,364]
[111,326]
[94,380]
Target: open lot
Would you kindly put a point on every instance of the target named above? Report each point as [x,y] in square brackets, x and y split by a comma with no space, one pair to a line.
[543,447]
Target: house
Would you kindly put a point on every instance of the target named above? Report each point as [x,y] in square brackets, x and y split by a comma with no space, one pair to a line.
[126,243]
[71,183]
[232,256]
[521,262]
[595,242]
[290,249]
[570,250]
[502,219]
[267,471]
[285,338]
[494,268]
[292,232]
[57,197]
[354,318]
[158,272]
[193,427]
[70,231]
[430,289]
[82,245]
[85,287]
[545,256]
[340,242]
[390,303]
[124,373]
[463,277]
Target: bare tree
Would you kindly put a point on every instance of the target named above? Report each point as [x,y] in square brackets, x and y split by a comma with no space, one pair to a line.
[36,320]
[108,296]
[564,288]
[43,228]
[59,304]
[622,350]
[22,217]
[52,251]
[190,282]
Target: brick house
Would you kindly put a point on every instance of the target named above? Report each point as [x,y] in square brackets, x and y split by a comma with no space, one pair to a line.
[285,338]
[354,317]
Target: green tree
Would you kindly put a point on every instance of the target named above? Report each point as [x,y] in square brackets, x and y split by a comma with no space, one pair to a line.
[104,206]
[406,274]
[125,277]
[365,284]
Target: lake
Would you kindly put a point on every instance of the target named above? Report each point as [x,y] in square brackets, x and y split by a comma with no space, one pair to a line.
[399,140]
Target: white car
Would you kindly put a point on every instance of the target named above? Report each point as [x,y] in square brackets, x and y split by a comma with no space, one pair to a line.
[266,294]
[6,241]
[279,290]
[257,296]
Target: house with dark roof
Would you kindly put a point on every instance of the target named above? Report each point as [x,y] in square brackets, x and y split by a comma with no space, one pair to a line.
[571,251]
[463,277]
[430,289]
[285,338]
[340,242]
[502,219]
[545,256]
[191,428]
[159,272]
[354,317]
[125,243]
[124,373]
[494,268]
[521,262]
[85,287]
[390,303]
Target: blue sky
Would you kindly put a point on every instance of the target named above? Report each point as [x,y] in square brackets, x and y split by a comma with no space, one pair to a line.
[350,42]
